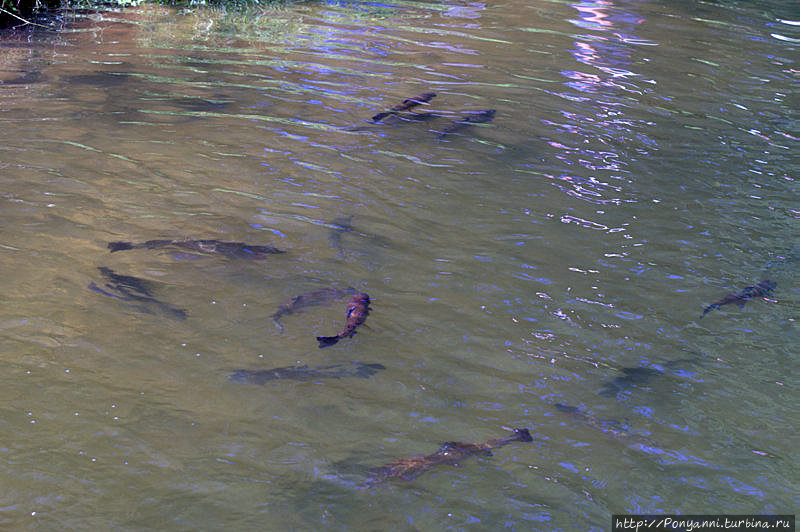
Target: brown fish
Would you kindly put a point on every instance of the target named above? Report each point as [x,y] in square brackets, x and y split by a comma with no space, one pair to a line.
[743,296]
[304,373]
[356,314]
[475,117]
[449,453]
[316,297]
[233,250]
[407,104]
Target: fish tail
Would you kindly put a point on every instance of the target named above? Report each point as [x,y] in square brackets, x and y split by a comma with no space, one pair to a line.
[380,116]
[119,246]
[325,341]
[277,324]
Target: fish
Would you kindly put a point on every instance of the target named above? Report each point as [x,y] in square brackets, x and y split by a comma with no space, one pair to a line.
[762,288]
[339,226]
[316,297]
[233,250]
[612,427]
[356,314]
[137,293]
[475,117]
[639,375]
[127,282]
[634,375]
[304,373]
[450,453]
[407,104]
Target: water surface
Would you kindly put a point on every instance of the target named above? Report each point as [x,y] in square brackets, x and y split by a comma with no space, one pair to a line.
[641,165]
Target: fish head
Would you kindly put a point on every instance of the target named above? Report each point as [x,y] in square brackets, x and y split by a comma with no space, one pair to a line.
[767,285]
[523,434]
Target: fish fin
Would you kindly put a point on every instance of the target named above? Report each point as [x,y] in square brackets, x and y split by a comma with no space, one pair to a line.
[278,324]
[119,246]
[325,341]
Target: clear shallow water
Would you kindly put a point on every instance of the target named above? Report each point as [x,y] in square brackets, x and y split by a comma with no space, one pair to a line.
[641,165]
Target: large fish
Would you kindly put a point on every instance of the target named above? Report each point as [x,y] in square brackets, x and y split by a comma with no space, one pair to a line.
[612,427]
[451,453]
[316,297]
[304,373]
[743,296]
[137,293]
[233,250]
[356,314]
[639,376]
[475,117]
[407,104]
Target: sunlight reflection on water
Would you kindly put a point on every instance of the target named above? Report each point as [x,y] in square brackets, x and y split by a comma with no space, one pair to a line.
[638,167]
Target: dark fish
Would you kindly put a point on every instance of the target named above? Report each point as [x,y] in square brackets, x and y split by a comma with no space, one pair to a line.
[612,427]
[633,376]
[304,373]
[233,250]
[127,283]
[136,293]
[476,117]
[420,117]
[740,298]
[24,79]
[356,313]
[638,376]
[449,453]
[317,297]
[407,104]
[339,227]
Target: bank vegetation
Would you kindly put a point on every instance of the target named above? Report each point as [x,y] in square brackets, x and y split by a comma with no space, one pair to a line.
[22,12]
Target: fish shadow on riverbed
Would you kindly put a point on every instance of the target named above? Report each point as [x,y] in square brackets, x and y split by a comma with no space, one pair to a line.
[231,250]
[135,293]
[640,376]
[338,227]
[467,120]
[615,428]
[304,373]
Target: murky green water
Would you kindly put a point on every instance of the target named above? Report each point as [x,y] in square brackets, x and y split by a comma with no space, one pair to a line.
[641,165]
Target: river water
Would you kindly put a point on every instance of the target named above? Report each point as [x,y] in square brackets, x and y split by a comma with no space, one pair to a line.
[642,163]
